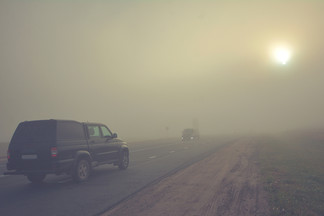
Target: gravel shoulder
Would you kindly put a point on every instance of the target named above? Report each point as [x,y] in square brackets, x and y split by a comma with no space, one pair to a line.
[226,183]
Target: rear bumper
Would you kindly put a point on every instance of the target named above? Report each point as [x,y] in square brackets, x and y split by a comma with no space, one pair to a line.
[29,172]
[56,167]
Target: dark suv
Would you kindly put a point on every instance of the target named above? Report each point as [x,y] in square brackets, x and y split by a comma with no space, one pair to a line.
[52,146]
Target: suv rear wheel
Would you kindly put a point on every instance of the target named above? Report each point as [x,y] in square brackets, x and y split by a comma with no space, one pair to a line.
[82,170]
[123,160]
[36,178]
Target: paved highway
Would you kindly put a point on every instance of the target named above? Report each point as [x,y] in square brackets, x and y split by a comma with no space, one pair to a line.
[59,195]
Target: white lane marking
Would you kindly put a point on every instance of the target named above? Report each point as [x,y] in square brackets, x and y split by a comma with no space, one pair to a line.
[152,157]
[172,152]
[155,147]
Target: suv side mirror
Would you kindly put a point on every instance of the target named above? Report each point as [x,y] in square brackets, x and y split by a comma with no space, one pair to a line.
[114,135]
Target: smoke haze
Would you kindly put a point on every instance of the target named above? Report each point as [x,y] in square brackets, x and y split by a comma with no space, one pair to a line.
[148,68]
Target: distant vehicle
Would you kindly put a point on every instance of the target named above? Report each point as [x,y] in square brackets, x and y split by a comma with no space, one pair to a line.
[190,134]
[43,147]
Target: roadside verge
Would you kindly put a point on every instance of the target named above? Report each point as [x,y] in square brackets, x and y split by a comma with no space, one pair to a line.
[226,182]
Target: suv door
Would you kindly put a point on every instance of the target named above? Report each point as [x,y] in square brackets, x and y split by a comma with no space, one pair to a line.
[96,142]
[111,146]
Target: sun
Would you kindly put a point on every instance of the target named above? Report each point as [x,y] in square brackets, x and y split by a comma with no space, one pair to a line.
[281,54]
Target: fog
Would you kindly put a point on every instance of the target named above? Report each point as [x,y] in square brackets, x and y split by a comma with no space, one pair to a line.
[147,69]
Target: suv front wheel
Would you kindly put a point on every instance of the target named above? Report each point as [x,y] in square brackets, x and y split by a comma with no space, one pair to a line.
[82,170]
[123,160]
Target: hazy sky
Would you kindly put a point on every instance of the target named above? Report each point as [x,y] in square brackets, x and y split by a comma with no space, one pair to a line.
[142,66]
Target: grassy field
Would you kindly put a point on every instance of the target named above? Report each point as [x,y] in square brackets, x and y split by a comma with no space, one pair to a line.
[292,168]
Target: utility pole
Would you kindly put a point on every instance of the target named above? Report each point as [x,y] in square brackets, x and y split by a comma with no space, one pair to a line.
[167,131]
[195,124]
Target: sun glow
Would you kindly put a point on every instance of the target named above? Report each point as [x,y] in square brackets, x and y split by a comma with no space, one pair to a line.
[281,54]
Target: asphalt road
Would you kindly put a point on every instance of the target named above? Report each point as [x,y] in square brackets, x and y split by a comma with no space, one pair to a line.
[59,195]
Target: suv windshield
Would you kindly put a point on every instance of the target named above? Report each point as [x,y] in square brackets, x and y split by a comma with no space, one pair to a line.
[35,131]
[188,132]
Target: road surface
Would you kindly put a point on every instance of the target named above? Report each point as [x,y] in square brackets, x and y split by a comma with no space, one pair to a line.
[150,162]
[227,183]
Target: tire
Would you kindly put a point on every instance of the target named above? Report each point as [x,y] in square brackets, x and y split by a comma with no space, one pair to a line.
[82,170]
[123,160]
[36,178]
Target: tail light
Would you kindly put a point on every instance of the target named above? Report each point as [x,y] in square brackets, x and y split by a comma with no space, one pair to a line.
[8,154]
[53,152]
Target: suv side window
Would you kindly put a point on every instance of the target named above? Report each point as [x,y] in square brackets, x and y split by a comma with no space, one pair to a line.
[105,131]
[94,131]
[70,131]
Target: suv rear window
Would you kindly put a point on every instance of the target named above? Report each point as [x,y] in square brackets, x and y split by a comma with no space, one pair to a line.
[35,131]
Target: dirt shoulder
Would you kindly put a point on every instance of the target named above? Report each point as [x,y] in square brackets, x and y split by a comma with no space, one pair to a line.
[225,183]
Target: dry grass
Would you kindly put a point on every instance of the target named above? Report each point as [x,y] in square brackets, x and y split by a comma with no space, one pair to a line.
[293,175]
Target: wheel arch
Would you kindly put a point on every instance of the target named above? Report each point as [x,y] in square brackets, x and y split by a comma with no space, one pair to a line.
[124,147]
[82,155]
